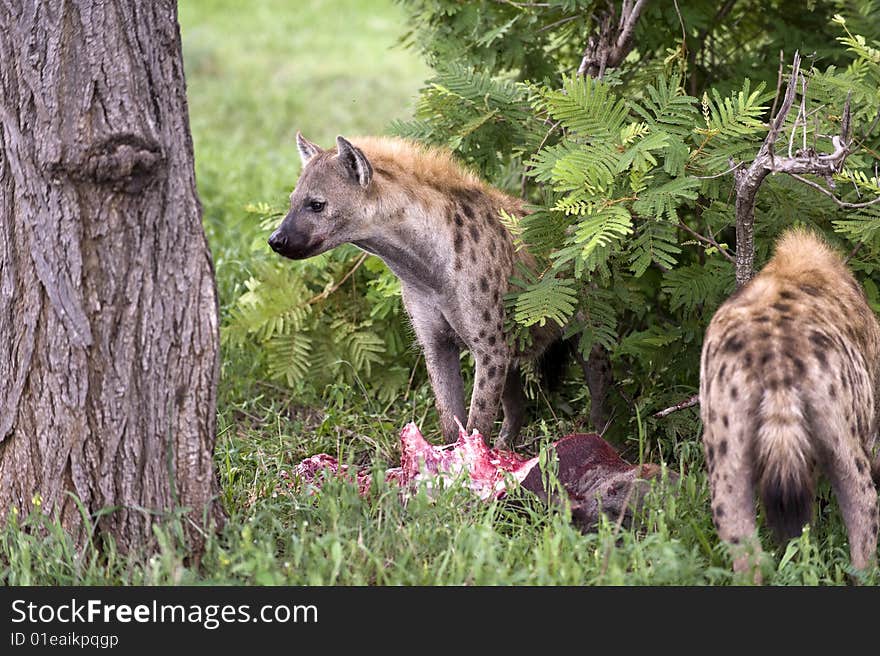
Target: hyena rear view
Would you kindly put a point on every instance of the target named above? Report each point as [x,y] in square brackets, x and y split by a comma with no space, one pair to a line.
[437,227]
[788,389]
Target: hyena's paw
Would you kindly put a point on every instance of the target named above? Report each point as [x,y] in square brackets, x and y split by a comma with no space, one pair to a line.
[748,558]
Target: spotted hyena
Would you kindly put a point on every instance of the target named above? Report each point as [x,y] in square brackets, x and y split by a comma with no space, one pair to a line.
[437,226]
[788,383]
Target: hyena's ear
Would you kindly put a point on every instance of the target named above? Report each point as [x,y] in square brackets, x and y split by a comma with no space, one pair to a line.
[354,161]
[307,150]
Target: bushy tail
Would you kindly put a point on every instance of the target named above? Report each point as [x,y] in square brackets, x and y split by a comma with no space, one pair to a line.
[785,461]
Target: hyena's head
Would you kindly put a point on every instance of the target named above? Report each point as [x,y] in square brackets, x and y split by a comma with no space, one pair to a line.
[331,204]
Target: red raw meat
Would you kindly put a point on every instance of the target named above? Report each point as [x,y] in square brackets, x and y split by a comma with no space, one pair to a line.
[596,479]
[591,472]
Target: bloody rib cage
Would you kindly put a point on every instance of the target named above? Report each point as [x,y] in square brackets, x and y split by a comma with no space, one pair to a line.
[595,478]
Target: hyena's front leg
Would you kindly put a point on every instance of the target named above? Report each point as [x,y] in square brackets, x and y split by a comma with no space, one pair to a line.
[489,379]
[442,355]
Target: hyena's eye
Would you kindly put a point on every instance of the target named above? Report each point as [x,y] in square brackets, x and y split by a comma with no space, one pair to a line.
[316,205]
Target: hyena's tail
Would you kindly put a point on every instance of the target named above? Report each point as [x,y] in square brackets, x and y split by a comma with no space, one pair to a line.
[784,459]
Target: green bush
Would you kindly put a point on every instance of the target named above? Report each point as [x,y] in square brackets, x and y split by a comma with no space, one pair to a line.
[629,177]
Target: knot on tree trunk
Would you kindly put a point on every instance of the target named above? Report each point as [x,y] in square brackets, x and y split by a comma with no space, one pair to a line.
[127,162]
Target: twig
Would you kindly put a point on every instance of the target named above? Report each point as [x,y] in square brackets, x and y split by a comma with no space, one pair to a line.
[841,203]
[272,386]
[522,190]
[687,403]
[540,5]
[734,167]
[412,376]
[681,22]
[853,252]
[747,181]
[561,21]
[730,258]
[778,83]
[872,126]
[324,294]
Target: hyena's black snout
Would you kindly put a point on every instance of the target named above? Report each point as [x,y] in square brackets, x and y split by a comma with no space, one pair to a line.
[295,244]
[278,242]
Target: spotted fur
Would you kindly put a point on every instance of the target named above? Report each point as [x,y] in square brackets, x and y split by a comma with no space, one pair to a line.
[788,391]
[437,227]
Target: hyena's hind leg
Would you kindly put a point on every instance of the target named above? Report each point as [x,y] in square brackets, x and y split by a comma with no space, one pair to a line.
[846,465]
[726,440]
[513,401]
[857,498]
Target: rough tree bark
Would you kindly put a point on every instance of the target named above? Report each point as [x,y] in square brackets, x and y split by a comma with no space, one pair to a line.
[613,40]
[747,180]
[108,307]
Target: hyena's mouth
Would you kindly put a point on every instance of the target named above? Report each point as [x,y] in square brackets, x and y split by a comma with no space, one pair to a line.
[295,250]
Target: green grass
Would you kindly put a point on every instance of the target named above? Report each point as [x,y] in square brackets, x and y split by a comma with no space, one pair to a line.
[256,73]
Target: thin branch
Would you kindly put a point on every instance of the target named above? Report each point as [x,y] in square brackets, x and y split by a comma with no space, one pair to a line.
[522,186]
[324,294]
[778,83]
[687,403]
[853,252]
[707,240]
[840,203]
[540,5]
[628,24]
[734,167]
[748,180]
[872,126]
[561,21]
[681,22]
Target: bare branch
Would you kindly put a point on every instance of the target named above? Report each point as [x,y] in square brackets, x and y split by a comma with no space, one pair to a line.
[707,240]
[327,292]
[628,25]
[687,403]
[778,83]
[853,252]
[732,168]
[683,29]
[540,5]
[840,203]
[561,21]
[747,181]
[806,161]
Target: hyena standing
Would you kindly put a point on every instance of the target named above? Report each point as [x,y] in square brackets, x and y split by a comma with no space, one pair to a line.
[788,389]
[437,227]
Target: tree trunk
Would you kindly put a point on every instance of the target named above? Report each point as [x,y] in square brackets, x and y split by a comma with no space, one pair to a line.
[108,307]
